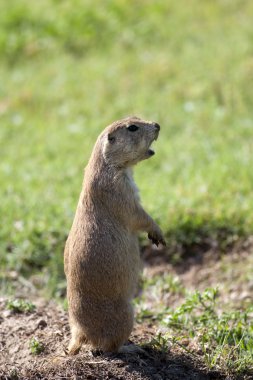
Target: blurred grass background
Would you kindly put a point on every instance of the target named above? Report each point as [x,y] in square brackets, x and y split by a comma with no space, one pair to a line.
[68,69]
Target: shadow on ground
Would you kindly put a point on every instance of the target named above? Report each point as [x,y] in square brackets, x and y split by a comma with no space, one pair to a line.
[49,324]
[154,364]
[149,365]
[188,252]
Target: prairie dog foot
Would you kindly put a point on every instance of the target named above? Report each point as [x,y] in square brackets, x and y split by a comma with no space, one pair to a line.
[73,349]
[131,349]
[78,338]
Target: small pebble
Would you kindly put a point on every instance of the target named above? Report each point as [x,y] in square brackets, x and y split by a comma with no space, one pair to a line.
[41,323]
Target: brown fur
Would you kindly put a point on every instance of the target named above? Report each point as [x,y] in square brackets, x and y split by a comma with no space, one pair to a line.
[101,258]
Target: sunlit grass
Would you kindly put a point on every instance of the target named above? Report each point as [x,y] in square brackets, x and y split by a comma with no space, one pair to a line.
[69,70]
[223,340]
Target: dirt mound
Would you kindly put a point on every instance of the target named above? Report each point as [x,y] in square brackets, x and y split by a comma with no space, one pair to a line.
[33,344]
[48,324]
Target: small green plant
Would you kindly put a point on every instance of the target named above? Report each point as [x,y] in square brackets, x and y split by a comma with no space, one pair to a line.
[224,339]
[160,342]
[36,347]
[156,290]
[13,374]
[20,306]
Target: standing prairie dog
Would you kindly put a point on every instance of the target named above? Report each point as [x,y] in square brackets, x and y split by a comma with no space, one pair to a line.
[102,258]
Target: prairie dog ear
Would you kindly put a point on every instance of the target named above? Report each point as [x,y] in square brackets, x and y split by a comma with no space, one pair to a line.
[111,138]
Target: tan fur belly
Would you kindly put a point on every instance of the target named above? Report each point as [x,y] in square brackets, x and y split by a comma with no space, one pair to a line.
[106,267]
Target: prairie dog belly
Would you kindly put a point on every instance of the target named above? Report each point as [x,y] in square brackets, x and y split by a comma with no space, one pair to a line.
[108,265]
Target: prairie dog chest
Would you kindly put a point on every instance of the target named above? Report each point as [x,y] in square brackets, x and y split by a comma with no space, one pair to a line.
[131,184]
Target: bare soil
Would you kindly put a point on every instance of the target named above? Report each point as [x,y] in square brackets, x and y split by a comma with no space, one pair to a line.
[49,324]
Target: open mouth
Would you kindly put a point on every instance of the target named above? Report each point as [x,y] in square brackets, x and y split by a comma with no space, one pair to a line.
[151,151]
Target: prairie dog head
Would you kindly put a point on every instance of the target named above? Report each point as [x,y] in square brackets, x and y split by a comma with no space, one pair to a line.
[127,141]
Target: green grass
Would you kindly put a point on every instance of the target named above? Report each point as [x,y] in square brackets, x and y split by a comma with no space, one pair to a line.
[222,339]
[20,306]
[71,69]
[68,69]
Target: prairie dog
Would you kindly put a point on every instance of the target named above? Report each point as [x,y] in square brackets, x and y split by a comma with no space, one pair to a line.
[101,257]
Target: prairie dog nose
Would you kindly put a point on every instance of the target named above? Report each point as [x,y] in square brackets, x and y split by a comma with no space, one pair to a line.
[157,126]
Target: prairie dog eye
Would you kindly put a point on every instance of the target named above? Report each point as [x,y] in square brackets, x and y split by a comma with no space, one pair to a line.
[132,128]
[111,138]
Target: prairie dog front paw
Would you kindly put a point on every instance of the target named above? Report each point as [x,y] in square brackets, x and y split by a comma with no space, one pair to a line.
[156,237]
